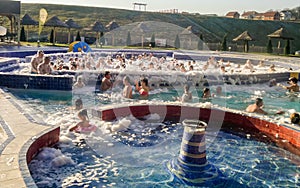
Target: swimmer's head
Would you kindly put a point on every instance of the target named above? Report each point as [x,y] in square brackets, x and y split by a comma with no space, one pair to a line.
[78,104]
[295,118]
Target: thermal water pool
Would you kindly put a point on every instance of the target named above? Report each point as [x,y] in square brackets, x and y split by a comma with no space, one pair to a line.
[107,160]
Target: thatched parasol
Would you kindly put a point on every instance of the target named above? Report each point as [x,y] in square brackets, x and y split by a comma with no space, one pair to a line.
[281,34]
[112,25]
[55,22]
[71,24]
[27,20]
[245,36]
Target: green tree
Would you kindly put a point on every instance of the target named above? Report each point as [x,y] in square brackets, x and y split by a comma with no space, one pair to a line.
[200,42]
[51,38]
[152,41]
[128,40]
[224,43]
[177,42]
[287,47]
[78,38]
[22,35]
[269,47]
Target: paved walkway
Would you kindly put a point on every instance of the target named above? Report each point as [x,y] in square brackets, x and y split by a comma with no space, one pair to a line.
[15,131]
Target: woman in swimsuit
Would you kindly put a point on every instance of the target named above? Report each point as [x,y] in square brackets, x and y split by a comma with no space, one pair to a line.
[143,89]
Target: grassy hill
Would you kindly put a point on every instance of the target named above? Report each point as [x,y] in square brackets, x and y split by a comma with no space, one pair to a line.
[213,29]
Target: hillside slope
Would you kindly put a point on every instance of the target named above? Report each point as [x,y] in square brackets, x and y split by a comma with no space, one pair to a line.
[212,28]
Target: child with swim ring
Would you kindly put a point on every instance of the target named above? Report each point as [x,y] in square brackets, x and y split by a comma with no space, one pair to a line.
[84,125]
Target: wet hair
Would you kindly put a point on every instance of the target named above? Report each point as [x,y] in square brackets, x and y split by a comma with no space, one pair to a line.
[205,90]
[186,87]
[106,73]
[293,79]
[78,103]
[145,80]
[83,112]
[258,101]
[47,58]
[126,78]
[295,118]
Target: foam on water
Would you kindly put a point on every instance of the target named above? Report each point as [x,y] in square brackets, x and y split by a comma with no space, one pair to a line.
[134,151]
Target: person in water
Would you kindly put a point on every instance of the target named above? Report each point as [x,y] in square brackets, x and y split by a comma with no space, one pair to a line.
[206,93]
[127,90]
[187,95]
[106,83]
[257,108]
[293,86]
[295,118]
[84,125]
[143,89]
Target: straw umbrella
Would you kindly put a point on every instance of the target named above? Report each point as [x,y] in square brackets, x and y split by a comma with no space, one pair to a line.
[71,24]
[98,28]
[246,37]
[280,34]
[27,20]
[55,22]
[110,27]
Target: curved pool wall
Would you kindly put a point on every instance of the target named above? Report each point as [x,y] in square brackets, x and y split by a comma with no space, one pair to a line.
[63,80]
[280,132]
[285,135]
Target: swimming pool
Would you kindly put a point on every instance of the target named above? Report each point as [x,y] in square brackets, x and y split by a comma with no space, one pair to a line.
[108,160]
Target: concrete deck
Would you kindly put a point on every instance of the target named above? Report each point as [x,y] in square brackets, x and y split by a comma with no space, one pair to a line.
[15,131]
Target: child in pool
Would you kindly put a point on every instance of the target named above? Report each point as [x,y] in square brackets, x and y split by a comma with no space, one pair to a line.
[84,125]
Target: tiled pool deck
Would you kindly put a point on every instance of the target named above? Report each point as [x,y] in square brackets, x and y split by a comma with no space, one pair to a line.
[16,130]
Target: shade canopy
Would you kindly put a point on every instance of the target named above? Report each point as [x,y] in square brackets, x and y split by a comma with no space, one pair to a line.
[281,34]
[72,24]
[27,20]
[55,22]
[112,25]
[98,27]
[245,36]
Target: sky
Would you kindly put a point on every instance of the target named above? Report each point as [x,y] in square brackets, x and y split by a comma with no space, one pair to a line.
[219,7]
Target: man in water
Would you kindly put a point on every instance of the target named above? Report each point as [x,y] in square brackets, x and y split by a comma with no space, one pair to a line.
[127,90]
[106,83]
[257,108]
[294,87]
[45,68]
[36,60]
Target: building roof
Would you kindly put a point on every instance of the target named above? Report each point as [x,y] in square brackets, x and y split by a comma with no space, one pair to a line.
[270,14]
[249,13]
[232,13]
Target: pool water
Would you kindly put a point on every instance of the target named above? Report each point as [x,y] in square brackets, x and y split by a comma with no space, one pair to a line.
[138,157]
